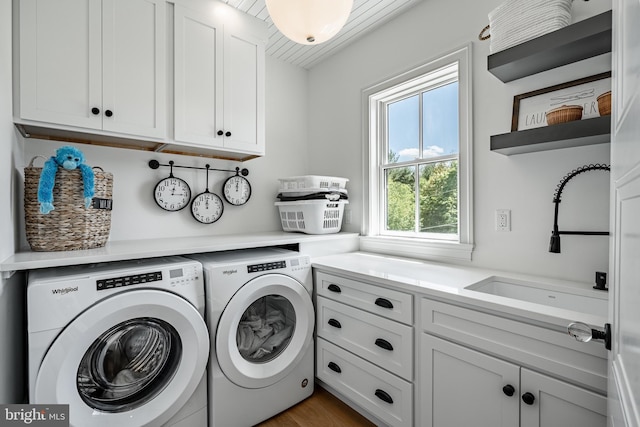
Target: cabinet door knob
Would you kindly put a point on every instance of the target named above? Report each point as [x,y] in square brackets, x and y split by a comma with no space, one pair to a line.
[108,113]
[334,323]
[384,303]
[509,390]
[334,288]
[384,396]
[334,367]
[95,111]
[528,398]
[220,133]
[227,134]
[384,344]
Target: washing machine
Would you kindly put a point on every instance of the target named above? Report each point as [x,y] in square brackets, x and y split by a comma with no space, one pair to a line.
[123,343]
[261,318]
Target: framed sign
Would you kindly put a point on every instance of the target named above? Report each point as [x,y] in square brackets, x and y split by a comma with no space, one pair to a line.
[529,109]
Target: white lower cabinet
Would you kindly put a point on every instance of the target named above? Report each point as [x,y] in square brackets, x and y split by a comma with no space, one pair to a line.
[365,345]
[463,387]
[384,395]
[470,367]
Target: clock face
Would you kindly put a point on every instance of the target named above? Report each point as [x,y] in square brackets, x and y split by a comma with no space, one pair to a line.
[207,207]
[172,194]
[237,190]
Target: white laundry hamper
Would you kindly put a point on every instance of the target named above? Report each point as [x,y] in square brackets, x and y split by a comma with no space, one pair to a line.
[312,216]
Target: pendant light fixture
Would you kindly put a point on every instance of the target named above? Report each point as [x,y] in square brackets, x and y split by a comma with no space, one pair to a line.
[309,21]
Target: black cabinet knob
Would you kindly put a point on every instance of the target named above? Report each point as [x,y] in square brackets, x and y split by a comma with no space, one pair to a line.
[334,288]
[334,323]
[334,367]
[108,113]
[384,303]
[95,111]
[384,344]
[220,133]
[227,134]
[384,396]
[509,390]
[528,398]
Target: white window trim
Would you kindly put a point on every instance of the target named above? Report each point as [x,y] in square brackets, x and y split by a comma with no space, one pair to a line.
[370,239]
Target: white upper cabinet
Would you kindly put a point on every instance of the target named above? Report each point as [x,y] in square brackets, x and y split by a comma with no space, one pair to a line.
[219,74]
[94,64]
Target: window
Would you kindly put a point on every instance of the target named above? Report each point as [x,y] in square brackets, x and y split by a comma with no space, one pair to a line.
[418,166]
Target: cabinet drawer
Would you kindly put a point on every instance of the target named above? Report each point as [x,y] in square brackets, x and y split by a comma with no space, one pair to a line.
[381,341]
[382,394]
[544,349]
[385,302]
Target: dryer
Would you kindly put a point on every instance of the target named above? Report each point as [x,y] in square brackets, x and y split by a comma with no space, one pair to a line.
[123,344]
[261,319]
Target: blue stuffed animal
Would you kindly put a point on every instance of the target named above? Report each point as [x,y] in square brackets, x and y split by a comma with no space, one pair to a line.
[69,158]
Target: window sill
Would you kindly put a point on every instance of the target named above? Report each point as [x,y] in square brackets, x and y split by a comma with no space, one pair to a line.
[414,248]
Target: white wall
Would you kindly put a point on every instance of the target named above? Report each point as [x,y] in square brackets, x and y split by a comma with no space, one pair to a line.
[12,290]
[135,214]
[524,183]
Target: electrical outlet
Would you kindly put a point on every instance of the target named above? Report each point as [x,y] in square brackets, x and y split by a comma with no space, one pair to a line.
[503,220]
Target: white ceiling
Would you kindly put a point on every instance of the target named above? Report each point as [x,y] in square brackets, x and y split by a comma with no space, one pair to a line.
[365,16]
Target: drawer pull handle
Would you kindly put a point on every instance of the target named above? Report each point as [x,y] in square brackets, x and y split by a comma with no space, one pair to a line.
[384,303]
[508,390]
[334,323]
[384,344]
[528,398]
[334,288]
[383,395]
[334,367]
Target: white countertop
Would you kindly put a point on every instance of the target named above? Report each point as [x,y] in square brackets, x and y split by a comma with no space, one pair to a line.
[137,249]
[448,282]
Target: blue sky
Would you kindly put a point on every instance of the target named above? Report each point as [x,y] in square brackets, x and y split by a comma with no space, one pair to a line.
[440,130]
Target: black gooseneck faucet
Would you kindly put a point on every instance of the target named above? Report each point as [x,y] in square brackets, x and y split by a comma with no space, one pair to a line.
[554,244]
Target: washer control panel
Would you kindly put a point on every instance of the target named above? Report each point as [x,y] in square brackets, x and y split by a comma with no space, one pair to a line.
[134,279]
[184,275]
[174,276]
[299,263]
[265,266]
[302,263]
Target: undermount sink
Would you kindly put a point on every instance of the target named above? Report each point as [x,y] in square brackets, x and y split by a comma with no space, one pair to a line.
[582,300]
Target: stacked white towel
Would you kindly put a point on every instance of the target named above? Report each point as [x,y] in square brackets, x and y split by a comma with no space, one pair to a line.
[516,21]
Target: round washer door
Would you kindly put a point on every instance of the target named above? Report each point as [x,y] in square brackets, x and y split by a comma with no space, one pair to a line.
[264,331]
[134,358]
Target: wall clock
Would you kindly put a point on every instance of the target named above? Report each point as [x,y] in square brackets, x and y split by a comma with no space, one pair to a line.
[207,207]
[172,193]
[236,190]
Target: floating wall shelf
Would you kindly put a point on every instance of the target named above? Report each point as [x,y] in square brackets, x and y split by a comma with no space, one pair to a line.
[564,135]
[582,40]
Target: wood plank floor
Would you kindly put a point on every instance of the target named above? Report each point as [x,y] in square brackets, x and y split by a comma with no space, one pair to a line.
[322,409]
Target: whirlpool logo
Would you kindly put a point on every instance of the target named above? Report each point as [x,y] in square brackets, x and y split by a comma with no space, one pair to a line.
[64,291]
[35,415]
[229,272]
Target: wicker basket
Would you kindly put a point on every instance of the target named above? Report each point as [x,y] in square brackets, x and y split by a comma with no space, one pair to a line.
[70,226]
[564,114]
[604,104]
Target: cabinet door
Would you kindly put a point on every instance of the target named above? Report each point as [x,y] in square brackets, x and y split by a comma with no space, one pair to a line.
[60,62]
[462,387]
[244,75]
[560,404]
[198,78]
[134,67]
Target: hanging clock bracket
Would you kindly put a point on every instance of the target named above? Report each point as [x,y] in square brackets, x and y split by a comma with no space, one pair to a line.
[154,164]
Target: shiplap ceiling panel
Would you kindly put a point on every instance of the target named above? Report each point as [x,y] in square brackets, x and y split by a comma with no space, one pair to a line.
[365,16]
